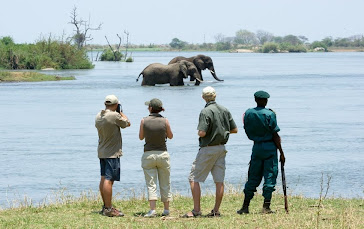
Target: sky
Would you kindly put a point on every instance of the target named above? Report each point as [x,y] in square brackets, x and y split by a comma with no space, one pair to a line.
[193,21]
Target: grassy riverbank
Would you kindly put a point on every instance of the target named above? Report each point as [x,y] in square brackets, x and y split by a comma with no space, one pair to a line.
[82,212]
[30,77]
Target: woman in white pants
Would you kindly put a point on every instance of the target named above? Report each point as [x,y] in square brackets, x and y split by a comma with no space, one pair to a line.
[155,129]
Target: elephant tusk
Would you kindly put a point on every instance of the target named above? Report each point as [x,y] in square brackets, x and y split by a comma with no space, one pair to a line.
[212,72]
[199,80]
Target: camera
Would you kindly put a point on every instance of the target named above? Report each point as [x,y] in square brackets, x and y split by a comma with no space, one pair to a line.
[119,108]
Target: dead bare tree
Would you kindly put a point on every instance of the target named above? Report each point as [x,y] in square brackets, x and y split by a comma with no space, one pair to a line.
[83,27]
[127,43]
[115,52]
[119,41]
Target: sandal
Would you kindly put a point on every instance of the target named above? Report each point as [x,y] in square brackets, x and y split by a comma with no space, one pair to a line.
[213,214]
[194,214]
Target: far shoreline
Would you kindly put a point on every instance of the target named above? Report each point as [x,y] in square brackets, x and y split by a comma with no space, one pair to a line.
[237,50]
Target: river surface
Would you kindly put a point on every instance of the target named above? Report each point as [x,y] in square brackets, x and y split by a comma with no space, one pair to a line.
[48,142]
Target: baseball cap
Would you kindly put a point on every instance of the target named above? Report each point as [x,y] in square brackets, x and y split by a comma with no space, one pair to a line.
[111,99]
[208,91]
[156,104]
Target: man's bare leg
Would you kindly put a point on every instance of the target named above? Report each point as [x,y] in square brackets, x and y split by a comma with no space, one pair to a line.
[196,194]
[107,192]
[219,195]
[101,187]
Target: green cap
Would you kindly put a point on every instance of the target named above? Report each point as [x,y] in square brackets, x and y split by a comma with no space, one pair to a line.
[261,94]
[156,104]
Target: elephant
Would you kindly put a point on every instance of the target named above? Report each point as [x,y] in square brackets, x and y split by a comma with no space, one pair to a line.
[201,62]
[173,73]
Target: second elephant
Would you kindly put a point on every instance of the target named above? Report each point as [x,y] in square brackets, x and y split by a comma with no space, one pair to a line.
[173,73]
[201,62]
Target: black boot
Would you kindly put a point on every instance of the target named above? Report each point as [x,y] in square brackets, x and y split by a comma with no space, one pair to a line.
[245,208]
[266,207]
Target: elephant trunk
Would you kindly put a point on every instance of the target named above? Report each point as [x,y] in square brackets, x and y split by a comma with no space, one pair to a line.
[139,76]
[214,74]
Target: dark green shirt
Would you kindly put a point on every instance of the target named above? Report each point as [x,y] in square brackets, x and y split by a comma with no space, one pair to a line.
[260,123]
[217,122]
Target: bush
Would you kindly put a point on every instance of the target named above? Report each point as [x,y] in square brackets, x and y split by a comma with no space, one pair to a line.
[221,46]
[270,47]
[129,59]
[43,54]
[108,55]
[292,48]
[318,44]
[297,48]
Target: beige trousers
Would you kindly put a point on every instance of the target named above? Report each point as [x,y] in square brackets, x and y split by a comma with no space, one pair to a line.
[156,165]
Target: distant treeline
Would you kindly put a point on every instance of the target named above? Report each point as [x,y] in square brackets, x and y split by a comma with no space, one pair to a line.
[261,41]
[45,53]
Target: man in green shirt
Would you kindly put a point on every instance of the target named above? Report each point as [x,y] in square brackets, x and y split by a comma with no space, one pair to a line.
[260,126]
[215,125]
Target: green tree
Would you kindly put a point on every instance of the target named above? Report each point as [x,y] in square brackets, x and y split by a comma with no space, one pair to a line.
[245,37]
[177,43]
[342,42]
[292,39]
[278,39]
[264,36]
[7,40]
[328,41]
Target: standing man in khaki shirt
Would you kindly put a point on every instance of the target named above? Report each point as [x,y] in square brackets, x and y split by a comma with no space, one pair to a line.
[108,123]
[214,127]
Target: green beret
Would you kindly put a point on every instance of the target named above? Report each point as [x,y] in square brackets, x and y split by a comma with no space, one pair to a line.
[261,95]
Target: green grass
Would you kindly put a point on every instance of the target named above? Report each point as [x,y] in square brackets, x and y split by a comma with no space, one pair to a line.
[30,77]
[82,212]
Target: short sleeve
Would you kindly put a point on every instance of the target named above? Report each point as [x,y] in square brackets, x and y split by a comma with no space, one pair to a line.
[203,122]
[121,122]
[231,122]
[273,126]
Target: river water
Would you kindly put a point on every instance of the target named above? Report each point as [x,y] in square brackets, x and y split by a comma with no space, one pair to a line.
[48,141]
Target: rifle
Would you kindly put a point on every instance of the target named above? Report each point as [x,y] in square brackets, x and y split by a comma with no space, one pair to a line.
[284,188]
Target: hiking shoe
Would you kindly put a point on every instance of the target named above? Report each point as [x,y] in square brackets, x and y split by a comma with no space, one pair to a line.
[102,210]
[112,212]
[151,214]
[244,210]
[165,212]
[213,214]
[267,211]
[266,207]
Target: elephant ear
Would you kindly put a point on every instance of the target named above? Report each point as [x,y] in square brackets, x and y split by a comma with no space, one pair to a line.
[199,63]
[183,68]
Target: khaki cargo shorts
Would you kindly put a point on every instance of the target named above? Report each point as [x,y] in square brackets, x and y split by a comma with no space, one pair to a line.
[209,159]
